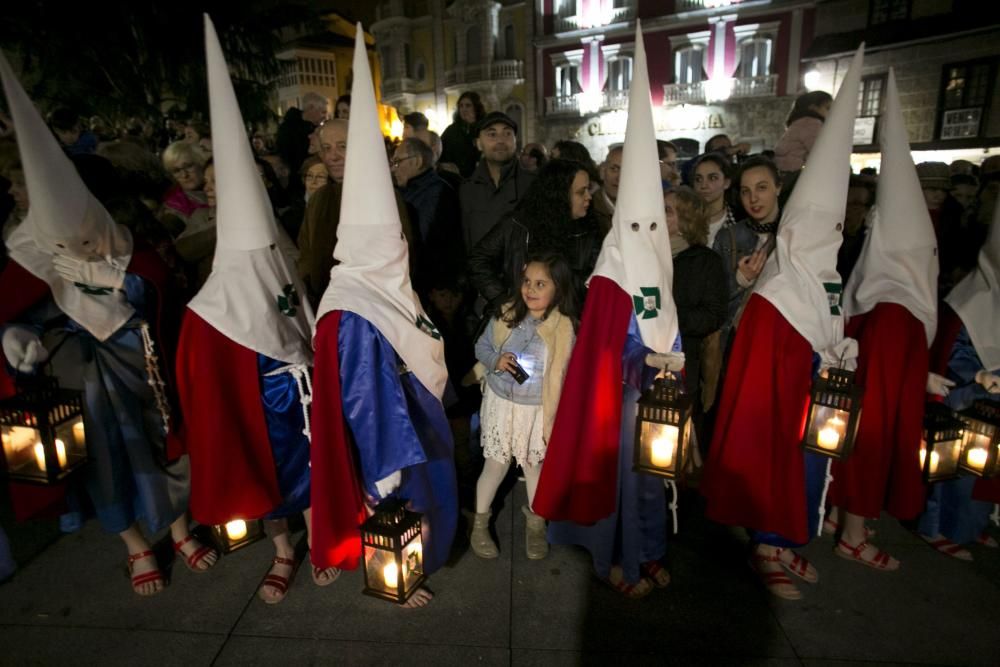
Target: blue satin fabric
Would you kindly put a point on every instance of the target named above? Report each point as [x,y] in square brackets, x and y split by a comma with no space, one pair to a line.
[814,468]
[950,510]
[398,425]
[637,531]
[279,395]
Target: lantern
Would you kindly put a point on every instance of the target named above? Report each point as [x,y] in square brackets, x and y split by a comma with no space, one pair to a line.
[981,444]
[941,446]
[834,414]
[42,432]
[236,534]
[393,552]
[662,430]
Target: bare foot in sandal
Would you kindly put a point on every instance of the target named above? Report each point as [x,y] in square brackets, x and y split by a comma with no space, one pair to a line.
[656,573]
[420,598]
[640,589]
[766,562]
[324,576]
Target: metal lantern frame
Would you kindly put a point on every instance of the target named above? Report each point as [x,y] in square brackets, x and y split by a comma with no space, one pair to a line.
[662,408]
[391,542]
[941,447]
[834,394]
[982,431]
[227,544]
[48,420]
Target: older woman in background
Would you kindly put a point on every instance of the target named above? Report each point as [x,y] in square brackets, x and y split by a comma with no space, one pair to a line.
[185,163]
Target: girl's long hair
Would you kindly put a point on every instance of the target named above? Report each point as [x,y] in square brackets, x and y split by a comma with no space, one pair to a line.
[800,109]
[545,209]
[564,298]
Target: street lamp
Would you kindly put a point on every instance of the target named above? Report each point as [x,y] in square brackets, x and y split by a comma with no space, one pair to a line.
[981,444]
[662,430]
[941,445]
[42,432]
[393,552]
[834,413]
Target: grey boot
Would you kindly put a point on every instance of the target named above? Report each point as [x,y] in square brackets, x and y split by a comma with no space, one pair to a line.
[535,544]
[480,540]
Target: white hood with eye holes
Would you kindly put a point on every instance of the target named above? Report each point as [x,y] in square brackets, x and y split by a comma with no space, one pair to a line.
[64,218]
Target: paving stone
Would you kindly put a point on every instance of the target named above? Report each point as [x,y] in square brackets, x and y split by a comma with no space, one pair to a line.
[281,651]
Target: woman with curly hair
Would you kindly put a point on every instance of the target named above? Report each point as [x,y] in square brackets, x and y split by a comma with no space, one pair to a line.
[552,216]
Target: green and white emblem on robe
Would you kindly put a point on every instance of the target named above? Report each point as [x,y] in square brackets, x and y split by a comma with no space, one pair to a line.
[95,291]
[288,300]
[647,302]
[834,296]
[427,327]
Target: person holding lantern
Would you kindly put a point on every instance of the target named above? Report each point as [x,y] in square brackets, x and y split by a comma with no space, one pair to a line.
[628,333]
[80,295]
[245,353]
[757,474]
[380,370]
[967,352]
[891,302]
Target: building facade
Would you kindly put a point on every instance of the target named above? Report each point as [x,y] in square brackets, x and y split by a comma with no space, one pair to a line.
[432,51]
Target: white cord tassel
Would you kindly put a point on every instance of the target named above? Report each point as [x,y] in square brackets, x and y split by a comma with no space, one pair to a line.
[153,377]
[995,517]
[673,502]
[822,499]
[304,384]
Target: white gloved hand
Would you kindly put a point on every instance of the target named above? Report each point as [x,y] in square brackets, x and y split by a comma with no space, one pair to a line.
[938,385]
[671,361]
[842,355]
[23,349]
[389,484]
[990,381]
[99,273]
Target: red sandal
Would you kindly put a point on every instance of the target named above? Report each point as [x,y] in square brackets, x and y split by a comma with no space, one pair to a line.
[656,573]
[880,561]
[778,584]
[799,567]
[947,547]
[195,559]
[145,577]
[276,581]
[631,591]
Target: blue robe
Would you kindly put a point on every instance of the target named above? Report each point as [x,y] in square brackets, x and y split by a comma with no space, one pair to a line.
[398,425]
[279,396]
[637,531]
[950,510]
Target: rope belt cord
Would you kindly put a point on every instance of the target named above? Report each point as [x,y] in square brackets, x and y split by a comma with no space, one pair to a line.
[822,500]
[674,499]
[153,377]
[304,383]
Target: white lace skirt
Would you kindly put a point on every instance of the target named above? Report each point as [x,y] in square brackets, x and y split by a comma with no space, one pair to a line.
[511,429]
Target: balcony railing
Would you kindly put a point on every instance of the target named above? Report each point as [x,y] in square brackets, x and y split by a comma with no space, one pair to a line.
[576,104]
[582,22]
[501,70]
[696,93]
[698,5]
[397,86]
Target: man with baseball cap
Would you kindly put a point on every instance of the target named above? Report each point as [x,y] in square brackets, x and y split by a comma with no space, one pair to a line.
[498,182]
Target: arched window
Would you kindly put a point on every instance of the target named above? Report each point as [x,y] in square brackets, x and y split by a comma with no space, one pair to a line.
[689,65]
[755,58]
[509,50]
[473,46]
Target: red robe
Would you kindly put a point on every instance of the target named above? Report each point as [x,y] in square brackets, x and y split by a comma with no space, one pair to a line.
[232,466]
[884,469]
[336,496]
[949,326]
[755,471]
[21,290]
[579,480]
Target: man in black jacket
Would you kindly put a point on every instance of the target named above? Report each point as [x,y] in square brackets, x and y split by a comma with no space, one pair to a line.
[498,183]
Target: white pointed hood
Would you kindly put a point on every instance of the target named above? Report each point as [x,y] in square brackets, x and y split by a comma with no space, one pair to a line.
[898,263]
[253,295]
[976,298]
[63,218]
[373,277]
[800,277]
[636,252]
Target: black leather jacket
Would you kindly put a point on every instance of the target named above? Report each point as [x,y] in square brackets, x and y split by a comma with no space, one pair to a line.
[496,262]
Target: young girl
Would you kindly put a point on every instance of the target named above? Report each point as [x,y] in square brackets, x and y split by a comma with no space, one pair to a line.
[525,352]
[711,181]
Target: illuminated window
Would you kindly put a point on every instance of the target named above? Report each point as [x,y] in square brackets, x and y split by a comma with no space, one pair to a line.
[965,94]
[689,65]
[888,11]
[755,58]
[619,74]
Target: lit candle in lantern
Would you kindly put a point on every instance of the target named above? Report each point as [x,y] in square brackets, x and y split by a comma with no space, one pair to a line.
[935,460]
[60,454]
[78,432]
[662,450]
[390,574]
[977,458]
[236,529]
[829,436]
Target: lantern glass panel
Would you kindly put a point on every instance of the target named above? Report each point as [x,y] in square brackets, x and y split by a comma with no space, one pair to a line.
[828,429]
[42,432]
[19,449]
[981,444]
[236,534]
[943,463]
[659,448]
[393,552]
